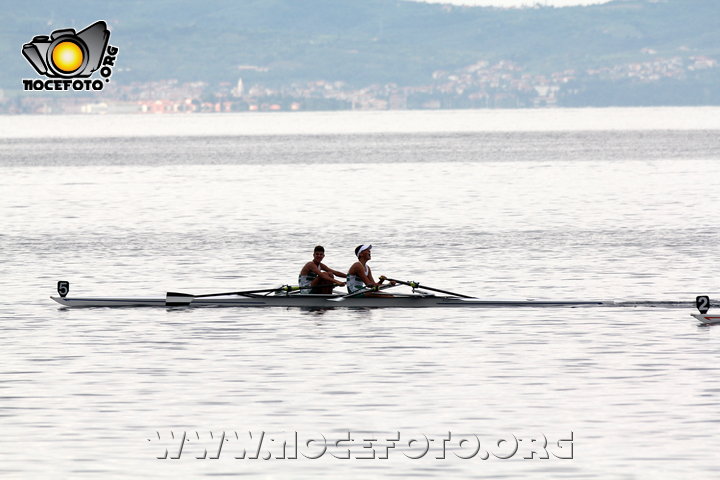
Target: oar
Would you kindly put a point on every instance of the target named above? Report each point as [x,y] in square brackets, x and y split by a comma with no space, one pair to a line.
[417,285]
[175,299]
[360,292]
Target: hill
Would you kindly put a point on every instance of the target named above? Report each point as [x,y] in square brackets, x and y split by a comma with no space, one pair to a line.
[362,42]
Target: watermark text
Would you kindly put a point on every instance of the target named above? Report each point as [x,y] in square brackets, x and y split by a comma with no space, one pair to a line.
[261,445]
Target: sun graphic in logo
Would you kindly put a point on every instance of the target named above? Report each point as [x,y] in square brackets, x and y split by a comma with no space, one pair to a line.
[67,56]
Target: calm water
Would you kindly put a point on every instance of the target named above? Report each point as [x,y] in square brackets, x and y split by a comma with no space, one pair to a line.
[554,213]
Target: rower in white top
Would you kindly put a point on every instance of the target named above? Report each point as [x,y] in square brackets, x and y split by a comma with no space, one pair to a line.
[360,276]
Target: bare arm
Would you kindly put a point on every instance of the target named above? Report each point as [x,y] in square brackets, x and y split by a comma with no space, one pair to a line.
[318,271]
[358,270]
[334,272]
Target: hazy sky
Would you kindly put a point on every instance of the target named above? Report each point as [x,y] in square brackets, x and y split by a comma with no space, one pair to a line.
[518,3]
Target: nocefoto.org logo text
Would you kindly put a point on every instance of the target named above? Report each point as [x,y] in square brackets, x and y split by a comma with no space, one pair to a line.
[68,58]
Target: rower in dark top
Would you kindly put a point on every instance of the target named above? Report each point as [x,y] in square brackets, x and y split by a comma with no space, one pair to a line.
[316,277]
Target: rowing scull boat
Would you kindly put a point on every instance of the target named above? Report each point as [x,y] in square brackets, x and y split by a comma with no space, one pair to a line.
[288,296]
[319,301]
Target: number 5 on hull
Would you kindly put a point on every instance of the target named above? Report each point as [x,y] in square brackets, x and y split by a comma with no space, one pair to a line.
[63,288]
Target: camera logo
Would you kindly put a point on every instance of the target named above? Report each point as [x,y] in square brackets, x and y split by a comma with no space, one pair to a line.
[66,55]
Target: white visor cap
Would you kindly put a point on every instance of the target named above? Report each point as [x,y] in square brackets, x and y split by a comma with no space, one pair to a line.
[362,249]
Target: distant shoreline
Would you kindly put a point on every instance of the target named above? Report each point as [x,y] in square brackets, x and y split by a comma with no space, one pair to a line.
[364,122]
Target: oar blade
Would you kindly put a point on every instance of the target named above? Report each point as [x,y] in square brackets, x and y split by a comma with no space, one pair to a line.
[175,299]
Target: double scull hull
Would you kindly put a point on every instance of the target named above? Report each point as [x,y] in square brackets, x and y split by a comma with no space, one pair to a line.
[323,301]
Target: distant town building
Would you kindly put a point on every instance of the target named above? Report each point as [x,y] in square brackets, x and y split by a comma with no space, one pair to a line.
[482,84]
[239,89]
